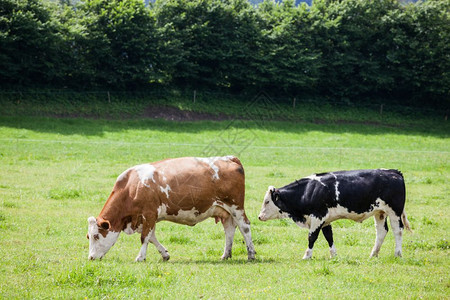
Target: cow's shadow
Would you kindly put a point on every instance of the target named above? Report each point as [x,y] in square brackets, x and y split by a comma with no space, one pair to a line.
[215,261]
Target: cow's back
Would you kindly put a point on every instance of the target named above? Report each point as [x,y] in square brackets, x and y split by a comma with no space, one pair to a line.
[359,190]
[190,182]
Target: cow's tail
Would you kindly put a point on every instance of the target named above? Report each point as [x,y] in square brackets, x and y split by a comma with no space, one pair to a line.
[406,222]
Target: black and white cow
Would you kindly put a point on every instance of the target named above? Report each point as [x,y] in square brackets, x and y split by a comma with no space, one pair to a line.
[316,201]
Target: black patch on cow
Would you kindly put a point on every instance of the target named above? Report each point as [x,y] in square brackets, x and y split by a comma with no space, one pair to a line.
[328,234]
[386,225]
[313,236]
[303,198]
[400,223]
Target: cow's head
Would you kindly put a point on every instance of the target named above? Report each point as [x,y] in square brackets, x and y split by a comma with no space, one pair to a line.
[269,210]
[101,238]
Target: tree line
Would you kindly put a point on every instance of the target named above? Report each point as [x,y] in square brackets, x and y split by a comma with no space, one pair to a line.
[348,49]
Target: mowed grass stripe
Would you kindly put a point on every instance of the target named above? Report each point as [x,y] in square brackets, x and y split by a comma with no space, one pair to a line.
[224,146]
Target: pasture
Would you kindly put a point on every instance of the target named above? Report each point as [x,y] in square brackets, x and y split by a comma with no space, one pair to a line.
[55,173]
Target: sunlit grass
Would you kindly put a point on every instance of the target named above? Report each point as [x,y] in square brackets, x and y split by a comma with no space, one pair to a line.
[57,172]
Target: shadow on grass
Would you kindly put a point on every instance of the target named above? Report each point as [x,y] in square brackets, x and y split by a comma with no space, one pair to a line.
[91,127]
[215,261]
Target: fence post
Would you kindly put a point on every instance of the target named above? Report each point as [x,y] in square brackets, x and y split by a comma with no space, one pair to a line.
[381,109]
[195,95]
[109,97]
[293,103]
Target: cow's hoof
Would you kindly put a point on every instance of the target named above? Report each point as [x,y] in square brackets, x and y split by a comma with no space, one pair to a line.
[308,254]
[226,256]
[251,256]
[139,259]
[166,258]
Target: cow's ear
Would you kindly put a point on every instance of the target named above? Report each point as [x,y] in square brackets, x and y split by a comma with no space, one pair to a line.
[276,195]
[92,221]
[105,224]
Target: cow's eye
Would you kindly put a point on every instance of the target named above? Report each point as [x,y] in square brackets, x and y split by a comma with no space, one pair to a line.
[96,237]
[267,202]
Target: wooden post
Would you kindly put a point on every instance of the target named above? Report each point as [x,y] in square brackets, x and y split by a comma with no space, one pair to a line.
[109,97]
[381,109]
[195,95]
[293,103]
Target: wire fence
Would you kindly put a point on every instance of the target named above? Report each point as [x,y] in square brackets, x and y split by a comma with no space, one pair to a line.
[42,101]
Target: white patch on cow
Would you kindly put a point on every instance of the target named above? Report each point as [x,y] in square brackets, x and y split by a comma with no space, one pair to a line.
[129,229]
[99,245]
[165,190]
[211,162]
[190,217]
[315,177]
[123,176]
[341,212]
[162,212]
[269,210]
[306,224]
[164,178]
[336,185]
[145,173]
[381,206]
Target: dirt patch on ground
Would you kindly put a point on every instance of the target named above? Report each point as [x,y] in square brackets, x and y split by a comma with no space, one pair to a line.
[175,114]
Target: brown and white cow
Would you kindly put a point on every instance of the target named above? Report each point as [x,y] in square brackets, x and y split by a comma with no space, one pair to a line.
[182,190]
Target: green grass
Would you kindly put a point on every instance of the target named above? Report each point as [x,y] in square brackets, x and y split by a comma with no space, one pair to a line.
[57,172]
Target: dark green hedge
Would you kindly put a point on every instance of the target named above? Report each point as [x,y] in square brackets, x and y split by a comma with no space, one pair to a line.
[347,50]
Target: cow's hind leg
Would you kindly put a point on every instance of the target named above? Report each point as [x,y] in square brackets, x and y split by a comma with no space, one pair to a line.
[328,234]
[397,229]
[230,228]
[244,226]
[382,230]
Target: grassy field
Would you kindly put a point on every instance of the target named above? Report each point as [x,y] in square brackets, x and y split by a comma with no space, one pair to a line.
[57,172]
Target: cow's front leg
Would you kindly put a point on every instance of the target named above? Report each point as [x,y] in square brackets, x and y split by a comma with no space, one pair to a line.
[314,230]
[328,234]
[151,237]
[148,235]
